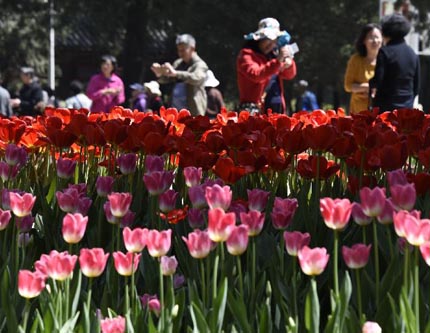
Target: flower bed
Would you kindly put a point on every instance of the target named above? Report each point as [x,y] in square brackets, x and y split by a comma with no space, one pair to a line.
[137,222]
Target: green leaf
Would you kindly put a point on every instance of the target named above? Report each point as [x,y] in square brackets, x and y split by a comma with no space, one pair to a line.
[406,311]
[217,316]
[70,324]
[265,322]
[9,309]
[199,321]
[130,328]
[180,301]
[52,189]
[312,309]
[238,308]
[77,293]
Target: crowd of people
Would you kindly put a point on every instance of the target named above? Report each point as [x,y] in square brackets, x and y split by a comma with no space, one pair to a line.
[383,73]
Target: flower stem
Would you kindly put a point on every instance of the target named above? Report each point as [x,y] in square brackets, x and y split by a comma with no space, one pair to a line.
[132,287]
[282,255]
[203,280]
[294,283]
[88,307]
[215,276]
[26,313]
[359,301]
[417,290]
[161,300]
[376,252]
[239,269]
[363,229]
[406,267]
[335,263]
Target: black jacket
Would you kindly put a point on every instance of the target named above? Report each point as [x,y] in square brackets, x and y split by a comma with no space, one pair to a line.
[30,95]
[397,76]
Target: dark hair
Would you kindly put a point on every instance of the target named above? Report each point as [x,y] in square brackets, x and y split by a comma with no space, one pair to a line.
[76,87]
[111,58]
[395,26]
[359,44]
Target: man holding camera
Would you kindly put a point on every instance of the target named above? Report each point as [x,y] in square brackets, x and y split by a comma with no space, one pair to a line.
[188,73]
[265,57]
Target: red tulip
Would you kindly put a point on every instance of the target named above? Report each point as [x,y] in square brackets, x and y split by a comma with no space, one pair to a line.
[372,200]
[92,261]
[220,224]
[254,220]
[74,226]
[135,240]
[30,284]
[356,256]
[237,242]
[313,261]
[126,264]
[159,242]
[198,243]
[119,203]
[295,241]
[335,212]
[21,205]
[113,325]
[218,196]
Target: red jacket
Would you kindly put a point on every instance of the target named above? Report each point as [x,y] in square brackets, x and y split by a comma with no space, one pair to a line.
[254,71]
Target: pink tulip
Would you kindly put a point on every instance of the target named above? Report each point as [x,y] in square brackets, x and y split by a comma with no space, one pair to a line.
[93,261]
[119,203]
[295,240]
[21,205]
[74,226]
[283,212]
[104,185]
[30,284]
[425,252]
[68,200]
[195,218]
[371,327]
[135,240]
[372,200]
[198,243]
[24,224]
[197,196]
[417,232]
[153,164]
[335,212]
[113,325]
[358,215]
[5,217]
[7,171]
[220,224]
[167,201]
[15,156]
[108,214]
[218,197]
[65,168]
[254,219]
[386,216]
[237,242]
[60,266]
[192,176]
[313,261]
[154,306]
[126,264]
[158,182]
[127,163]
[159,242]
[168,265]
[257,199]
[356,256]
[403,197]
[396,177]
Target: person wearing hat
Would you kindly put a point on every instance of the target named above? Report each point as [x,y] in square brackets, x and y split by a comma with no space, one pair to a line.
[138,97]
[215,99]
[30,101]
[106,89]
[397,73]
[188,73]
[153,96]
[259,61]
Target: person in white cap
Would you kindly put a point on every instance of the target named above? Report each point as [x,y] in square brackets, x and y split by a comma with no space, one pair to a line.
[260,59]
[215,99]
[189,75]
[153,96]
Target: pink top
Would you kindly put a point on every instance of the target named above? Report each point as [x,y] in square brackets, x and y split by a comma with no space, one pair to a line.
[103,103]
